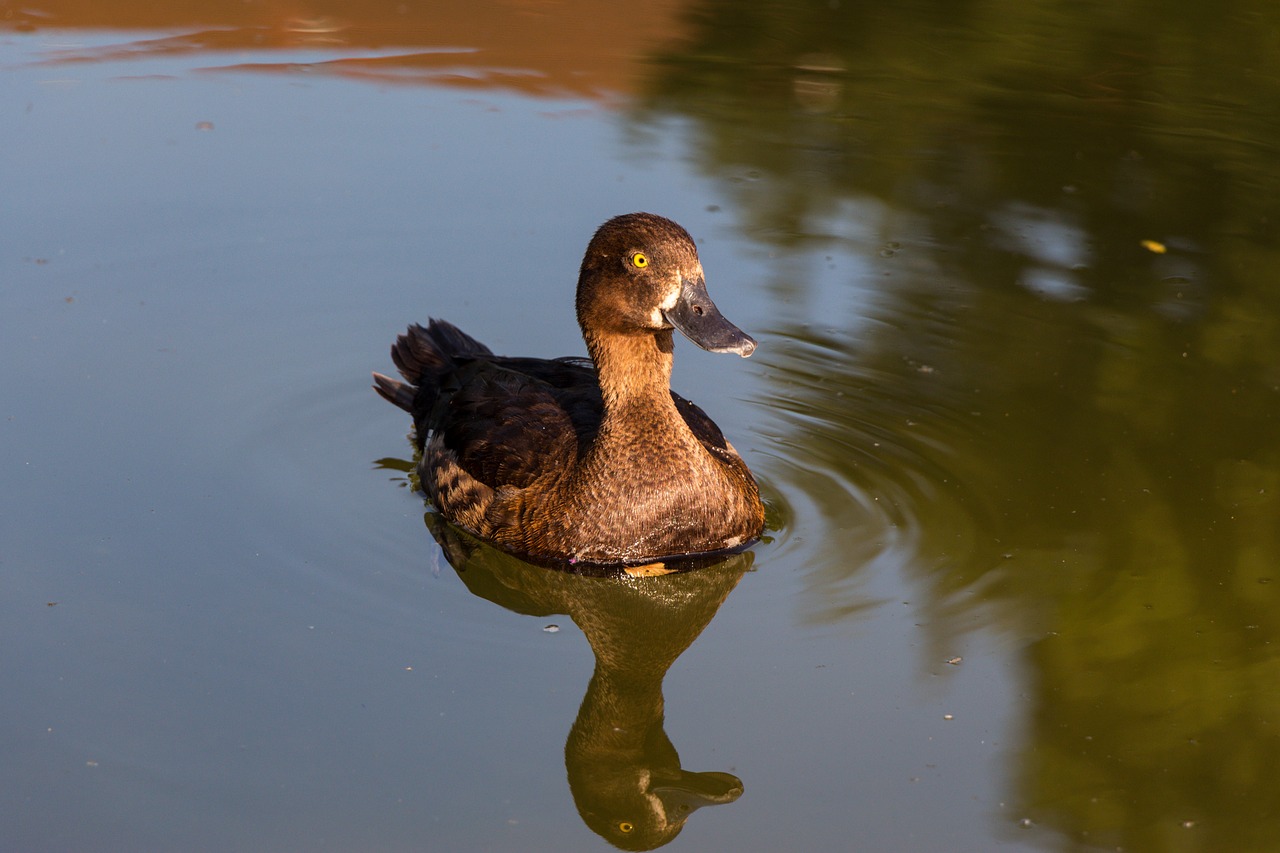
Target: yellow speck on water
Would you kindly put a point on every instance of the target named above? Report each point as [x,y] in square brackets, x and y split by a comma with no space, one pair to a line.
[1154,246]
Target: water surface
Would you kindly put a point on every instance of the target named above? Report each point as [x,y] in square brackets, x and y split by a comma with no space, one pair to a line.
[1014,410]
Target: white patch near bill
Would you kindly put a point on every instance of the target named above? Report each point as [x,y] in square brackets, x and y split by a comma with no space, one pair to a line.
[672,298]
[658,316]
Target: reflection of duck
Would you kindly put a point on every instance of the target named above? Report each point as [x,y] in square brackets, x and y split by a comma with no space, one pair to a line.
[624,773]
[594,461]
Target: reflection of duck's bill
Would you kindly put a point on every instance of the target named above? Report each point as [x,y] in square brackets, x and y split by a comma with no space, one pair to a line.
[698,319]
[696,790]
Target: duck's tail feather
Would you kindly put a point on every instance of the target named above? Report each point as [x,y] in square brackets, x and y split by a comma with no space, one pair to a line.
[395,392]
[424,355]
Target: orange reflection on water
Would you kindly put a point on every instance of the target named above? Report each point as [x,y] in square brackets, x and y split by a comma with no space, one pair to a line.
[582,48]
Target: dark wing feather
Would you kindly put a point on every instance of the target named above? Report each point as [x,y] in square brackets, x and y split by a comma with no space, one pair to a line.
[512,421]
[702,425]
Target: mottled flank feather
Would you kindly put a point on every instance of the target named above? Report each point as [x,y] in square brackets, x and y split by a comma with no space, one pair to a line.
[585,460]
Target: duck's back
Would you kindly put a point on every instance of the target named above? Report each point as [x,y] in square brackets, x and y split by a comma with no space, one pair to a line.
[508,423]
[506,420]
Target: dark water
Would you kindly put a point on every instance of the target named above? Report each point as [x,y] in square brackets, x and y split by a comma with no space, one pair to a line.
[1015,409]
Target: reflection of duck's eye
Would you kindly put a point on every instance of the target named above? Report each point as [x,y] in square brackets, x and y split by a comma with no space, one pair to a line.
[639,260]
[627,826]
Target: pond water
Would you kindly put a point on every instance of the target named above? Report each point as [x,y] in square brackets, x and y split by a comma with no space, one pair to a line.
[1015,410]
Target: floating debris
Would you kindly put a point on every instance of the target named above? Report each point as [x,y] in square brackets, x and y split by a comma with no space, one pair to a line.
[648,570]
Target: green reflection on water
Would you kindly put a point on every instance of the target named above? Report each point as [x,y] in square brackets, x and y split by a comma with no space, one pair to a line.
[1064,415]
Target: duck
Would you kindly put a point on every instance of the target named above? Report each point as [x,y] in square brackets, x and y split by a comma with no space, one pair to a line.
[596,460]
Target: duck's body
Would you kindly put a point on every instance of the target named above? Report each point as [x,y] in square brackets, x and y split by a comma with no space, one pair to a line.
[595,461]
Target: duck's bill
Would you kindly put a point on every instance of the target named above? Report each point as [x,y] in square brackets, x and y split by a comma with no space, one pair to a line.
[698,319]
[692,791]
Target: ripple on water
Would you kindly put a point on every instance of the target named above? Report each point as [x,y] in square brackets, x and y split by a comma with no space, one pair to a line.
[861,451]
[330,511]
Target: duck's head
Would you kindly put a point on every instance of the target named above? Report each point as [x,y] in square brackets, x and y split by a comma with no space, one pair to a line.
[641,275]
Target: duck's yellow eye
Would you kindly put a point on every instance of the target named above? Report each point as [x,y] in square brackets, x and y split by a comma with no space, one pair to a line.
[627,826]
[640,260]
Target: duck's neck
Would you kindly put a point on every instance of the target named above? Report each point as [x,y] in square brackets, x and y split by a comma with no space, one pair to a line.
[635,373]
